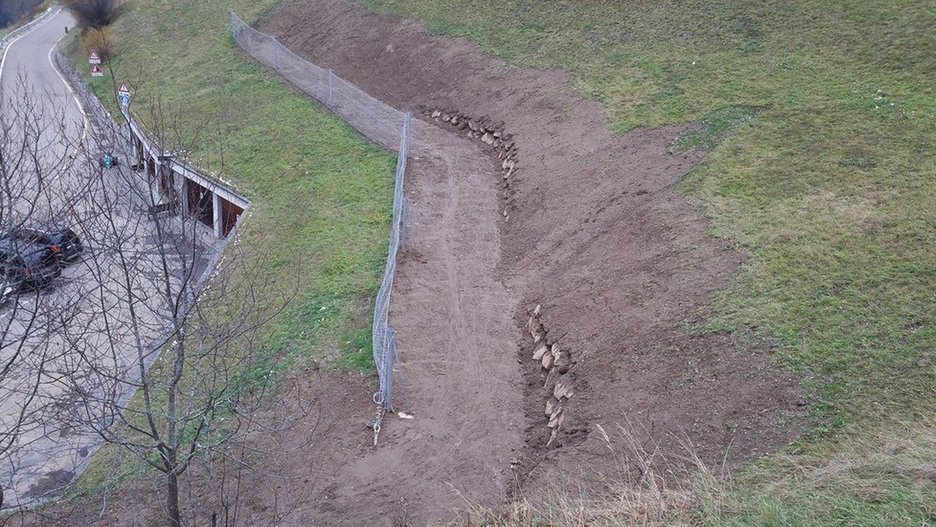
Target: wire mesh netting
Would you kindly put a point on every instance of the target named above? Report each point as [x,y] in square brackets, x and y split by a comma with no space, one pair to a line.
[381,123]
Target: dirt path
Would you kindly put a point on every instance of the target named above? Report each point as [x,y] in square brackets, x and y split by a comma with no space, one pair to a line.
[457,369]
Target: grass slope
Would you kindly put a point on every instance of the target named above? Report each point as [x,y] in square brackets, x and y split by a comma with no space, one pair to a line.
[821,130]
[320,193]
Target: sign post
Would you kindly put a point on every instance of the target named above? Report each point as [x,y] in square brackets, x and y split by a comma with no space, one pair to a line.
[123,95]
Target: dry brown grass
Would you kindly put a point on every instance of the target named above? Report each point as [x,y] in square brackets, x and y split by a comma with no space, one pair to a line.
[642,487]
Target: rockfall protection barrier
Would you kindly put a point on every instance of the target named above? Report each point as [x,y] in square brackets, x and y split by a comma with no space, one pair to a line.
[380,122]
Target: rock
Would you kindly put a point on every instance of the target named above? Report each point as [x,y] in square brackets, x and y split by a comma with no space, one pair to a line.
[563,362]
[536,310]
[436,114]
[540,351]
[554,350]
[563,388]
[552,436]
[551,378]
[462,124]
[473,125]
[496,133]
[547,360]
[454,120]
[496,144]
[556,418]
[551,405]
[487,138]
[445,116]
[537,337]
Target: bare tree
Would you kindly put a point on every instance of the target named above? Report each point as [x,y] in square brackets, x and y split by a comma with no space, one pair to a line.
[176,321]
[93,13]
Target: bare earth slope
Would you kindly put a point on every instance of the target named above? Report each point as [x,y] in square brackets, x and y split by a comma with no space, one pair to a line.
[619,260]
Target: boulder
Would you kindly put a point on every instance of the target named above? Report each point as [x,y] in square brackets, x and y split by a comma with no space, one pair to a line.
[436,114]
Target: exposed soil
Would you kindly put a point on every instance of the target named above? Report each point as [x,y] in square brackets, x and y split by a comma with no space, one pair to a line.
[618,258]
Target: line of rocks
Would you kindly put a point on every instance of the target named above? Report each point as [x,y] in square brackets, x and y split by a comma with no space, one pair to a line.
[490,133]
[555,363]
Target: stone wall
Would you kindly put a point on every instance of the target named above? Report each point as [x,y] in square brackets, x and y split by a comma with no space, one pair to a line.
[556,362]
[490,133]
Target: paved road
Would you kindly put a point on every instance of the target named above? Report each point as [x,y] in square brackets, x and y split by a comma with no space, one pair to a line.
[27,71]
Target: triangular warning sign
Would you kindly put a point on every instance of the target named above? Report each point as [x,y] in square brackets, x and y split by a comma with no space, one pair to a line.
[124,88]
[94,58]
[96,71]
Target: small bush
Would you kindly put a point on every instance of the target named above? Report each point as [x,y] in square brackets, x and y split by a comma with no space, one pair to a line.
[93,14]
[99,40]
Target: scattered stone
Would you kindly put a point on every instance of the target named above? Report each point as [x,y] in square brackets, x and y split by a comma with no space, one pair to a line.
[487,138]
[445,116]
[436,114]
[536,310]
[554,350]
[473,125]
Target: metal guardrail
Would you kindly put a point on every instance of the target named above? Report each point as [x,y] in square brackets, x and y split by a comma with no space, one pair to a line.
[378,121]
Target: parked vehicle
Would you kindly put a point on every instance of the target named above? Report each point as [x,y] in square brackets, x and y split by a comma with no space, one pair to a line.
[23,263]
[68,243]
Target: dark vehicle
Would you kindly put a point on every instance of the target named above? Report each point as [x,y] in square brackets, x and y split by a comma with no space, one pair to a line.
[58,239]
[23,263]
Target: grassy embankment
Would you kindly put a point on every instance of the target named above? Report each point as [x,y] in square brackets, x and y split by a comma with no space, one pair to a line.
[320,194]
[821,168]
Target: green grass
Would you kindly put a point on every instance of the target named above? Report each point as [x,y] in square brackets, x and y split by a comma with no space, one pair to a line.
[321,195]
[820,119]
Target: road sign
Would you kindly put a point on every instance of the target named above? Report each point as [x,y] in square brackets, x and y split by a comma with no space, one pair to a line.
[96,71]
[123,94]
[94,58]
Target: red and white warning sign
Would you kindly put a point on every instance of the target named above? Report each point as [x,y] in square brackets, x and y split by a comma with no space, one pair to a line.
[94,58]
[124,89]
[96,71]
